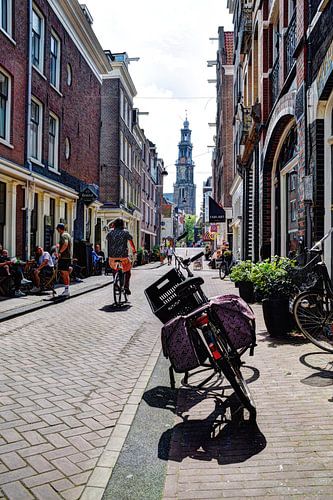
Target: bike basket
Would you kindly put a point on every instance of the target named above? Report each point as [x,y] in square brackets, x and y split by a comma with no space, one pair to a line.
[164,301]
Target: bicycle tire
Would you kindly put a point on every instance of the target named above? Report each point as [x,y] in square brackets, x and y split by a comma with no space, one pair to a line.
[313,313]
[230,366]
[117,289]
[222,271]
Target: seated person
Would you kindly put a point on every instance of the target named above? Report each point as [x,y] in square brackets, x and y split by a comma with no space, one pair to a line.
[100,263]
[45,268]
[10,269]
[75,271]
[54,254]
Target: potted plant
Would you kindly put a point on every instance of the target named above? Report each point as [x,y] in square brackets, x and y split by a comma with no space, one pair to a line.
[273,286]
[241,274]
[156,253]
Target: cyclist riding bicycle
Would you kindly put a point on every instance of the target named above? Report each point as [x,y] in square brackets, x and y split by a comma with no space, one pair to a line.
[117,240]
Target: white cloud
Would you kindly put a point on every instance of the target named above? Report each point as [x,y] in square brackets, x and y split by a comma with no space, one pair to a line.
[171,39]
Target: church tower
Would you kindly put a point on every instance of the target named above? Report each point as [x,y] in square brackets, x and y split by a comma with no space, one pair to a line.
[184,188]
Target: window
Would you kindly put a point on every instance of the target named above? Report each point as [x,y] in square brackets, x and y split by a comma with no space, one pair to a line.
[67,148]
[6,16]
[55,60]
[293,210]
[36,130]
[69,75]
[4,106]
[53,141]
[34,223]
[121,146]
[2,211]
[121,103]
[37,43]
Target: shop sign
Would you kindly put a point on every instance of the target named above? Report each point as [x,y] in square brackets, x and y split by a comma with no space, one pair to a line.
[213,228]
[88,196]
[216,212]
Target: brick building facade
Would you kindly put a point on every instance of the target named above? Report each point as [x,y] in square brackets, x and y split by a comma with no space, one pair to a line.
[270,123]
[50,114]
[222,162]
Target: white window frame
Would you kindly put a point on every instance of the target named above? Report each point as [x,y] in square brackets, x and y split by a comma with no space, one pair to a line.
[9,29]
[129,156]
[121,103]
[6,138]
[40,66]
[293,211]
[54,167]
[39,133]
[121,146]
[57,75]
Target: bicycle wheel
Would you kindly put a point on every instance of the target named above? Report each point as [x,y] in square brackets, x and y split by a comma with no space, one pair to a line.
[230,366]
[117,288]
[222,271]
[314,316]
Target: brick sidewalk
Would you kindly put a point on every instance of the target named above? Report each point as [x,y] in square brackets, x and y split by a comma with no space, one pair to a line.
[290,452]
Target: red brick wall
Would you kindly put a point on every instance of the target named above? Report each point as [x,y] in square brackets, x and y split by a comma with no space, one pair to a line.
[78,108]
[227,131]
[13,59]
[109,179]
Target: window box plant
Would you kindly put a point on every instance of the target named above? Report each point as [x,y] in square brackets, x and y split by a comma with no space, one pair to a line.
[241,274]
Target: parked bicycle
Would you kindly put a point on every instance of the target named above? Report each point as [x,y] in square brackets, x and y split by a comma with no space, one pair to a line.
[225,267]
[313,308]
[197,328]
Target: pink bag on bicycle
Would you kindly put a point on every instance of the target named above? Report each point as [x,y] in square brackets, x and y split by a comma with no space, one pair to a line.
[182,345]
[237,319]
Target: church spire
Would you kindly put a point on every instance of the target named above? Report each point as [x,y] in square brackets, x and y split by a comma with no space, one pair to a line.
[184,188]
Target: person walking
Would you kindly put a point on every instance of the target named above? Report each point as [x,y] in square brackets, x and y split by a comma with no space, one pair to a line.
[117,240]
[169,253]
[64,256]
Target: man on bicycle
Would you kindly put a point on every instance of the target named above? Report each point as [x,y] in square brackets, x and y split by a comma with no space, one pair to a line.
[117,240]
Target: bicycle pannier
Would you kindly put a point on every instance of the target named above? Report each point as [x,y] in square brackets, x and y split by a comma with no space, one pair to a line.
[237,319]
[182,345]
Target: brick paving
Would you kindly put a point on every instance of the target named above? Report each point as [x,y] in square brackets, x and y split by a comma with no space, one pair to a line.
[290,452]
[68,375]
[71,379]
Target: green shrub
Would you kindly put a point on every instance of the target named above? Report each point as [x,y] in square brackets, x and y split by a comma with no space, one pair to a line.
[242,271]
[272,278]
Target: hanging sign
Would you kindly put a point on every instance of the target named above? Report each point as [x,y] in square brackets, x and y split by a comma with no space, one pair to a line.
[88,196]
[216,212]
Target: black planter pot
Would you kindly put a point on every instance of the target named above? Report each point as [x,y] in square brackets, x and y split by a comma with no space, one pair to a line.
[246,291]
[277,317]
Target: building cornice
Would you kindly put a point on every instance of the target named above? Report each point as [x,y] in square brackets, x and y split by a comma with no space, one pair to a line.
[120,71]
[74,21]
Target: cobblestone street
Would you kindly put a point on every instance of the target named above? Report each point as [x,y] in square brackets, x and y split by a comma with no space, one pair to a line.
[73,376]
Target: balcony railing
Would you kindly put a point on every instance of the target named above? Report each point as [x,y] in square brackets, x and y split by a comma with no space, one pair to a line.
[275,84]
[290,43]
[245,125]
[245,29]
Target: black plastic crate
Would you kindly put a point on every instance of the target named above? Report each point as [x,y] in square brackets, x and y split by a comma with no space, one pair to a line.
[164,301]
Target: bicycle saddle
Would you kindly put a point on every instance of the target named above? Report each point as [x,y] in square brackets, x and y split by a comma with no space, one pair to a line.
[189,283]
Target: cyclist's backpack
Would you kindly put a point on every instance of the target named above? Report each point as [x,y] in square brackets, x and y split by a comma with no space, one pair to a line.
[237,319]
[182,345]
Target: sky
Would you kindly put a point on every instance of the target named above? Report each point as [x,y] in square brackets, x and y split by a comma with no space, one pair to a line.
[171,37]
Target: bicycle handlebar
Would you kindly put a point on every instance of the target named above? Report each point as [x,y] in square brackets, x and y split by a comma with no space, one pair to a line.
[196,257]
[318,245]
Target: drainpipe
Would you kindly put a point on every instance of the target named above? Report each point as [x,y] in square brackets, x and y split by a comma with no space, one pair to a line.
[28,119]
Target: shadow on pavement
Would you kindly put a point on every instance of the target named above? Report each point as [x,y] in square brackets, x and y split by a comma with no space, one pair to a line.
[323,364]
[217,437]
[110,308]
[293,338]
